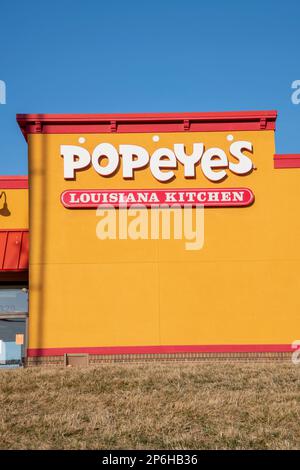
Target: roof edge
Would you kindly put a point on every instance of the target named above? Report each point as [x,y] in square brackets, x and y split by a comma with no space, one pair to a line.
[146,122]
[287,160]
[13,182]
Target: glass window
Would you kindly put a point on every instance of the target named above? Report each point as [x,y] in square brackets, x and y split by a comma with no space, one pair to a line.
[12,342]
[13,300]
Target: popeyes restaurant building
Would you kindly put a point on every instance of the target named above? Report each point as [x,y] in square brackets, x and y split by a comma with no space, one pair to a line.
[78,288]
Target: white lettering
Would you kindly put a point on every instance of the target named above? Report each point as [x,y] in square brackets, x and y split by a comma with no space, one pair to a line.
[190,161]
[158,161]
[108,151]
[75,158]
[129,162]
[214,162]
[214,158]
[245,164]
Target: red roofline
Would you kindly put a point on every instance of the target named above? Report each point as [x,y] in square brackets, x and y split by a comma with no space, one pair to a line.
[150,122]
[288,160]
[13,182]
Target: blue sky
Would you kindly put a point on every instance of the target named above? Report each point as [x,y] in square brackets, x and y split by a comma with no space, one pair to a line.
[96,56]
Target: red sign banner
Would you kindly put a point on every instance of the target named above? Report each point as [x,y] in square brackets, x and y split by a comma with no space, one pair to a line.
[219,197]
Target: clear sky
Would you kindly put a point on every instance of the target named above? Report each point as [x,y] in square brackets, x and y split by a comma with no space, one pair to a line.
[96,56]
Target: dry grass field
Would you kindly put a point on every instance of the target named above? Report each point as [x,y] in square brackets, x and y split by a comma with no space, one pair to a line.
[152,406]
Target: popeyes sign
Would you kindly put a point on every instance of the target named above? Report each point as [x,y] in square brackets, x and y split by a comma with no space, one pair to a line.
[163,163]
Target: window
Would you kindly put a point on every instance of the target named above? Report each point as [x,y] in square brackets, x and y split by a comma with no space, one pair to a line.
[13,325]
[13,300]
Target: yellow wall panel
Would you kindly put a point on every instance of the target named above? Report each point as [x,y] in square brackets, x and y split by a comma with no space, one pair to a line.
[241,288]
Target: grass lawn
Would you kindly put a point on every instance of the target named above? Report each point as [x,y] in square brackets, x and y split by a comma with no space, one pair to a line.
[152,406]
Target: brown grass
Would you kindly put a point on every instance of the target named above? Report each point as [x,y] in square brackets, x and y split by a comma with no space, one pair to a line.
[153,406]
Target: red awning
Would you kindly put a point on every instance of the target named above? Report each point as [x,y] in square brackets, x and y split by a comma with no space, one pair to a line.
[14,249]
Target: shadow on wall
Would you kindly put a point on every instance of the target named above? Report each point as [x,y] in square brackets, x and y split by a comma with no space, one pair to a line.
[4,211]
[40,280]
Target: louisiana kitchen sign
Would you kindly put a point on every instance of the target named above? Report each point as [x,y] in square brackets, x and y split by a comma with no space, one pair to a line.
[150,198]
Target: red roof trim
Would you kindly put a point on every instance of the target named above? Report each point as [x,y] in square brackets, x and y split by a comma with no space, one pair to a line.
[13,182]
[152,122]
[291,160]
[14,250]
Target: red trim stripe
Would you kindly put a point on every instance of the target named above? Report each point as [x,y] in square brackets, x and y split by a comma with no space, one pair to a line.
[13,182]
[160,122]
[291,160]
[215,348]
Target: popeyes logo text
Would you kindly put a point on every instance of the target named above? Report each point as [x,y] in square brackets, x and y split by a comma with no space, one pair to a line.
[105,160]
